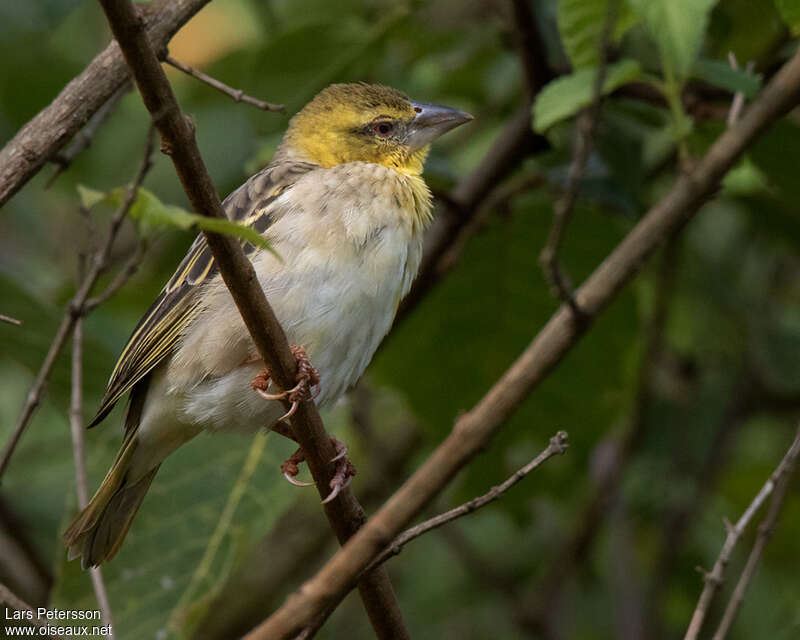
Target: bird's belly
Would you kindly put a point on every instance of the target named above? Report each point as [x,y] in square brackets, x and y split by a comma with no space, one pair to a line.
[339,315]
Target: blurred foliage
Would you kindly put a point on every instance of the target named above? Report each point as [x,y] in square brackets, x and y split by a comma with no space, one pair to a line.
[724,390]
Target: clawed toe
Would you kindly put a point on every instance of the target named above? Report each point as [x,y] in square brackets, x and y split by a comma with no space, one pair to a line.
[307,378]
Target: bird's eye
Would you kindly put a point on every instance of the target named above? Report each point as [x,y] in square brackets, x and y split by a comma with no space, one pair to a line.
[383,129]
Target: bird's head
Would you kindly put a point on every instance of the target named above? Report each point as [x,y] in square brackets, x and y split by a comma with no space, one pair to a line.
[368,123]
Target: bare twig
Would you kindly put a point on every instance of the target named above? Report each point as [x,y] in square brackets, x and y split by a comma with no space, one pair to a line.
[83,139]
[10,320]
[558,446]
[122,277]
[474,428]
[586,124]
[76,429]
[344,513]
[41,138]
[75,309]
[18,604]
[765,530]
[236,94]
[713,579]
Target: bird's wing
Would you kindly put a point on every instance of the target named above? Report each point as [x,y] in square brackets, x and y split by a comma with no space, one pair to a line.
[178,303]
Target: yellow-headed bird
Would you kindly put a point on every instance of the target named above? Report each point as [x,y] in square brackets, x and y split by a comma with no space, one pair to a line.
[344,205]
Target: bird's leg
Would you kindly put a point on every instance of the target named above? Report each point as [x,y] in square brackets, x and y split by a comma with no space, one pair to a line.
[307,378]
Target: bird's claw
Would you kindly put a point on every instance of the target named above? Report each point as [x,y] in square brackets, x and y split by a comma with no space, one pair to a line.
[344,471]
[290,468]
[307,378]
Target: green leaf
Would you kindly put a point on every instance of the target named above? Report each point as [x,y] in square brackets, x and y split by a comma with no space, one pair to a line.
[90,197]
[148,209]
[790,13]
[720,74]
[581,24]
[567,95]
[678,27]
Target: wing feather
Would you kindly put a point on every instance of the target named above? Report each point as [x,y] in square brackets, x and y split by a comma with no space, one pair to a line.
[178,303]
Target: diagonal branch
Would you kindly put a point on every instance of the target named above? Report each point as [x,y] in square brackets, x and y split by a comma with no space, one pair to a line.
[473,430]
[237,95]
[344,513]
[765,530]
[713,578]
[41,138]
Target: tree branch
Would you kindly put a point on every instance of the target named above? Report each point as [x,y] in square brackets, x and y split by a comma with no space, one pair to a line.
[558,446]
[18,604]
[765,530]
[40,139]
[77,426]
[177,132]
[713,578]
[75,309]
[586,125]
[237,95]
[473,430]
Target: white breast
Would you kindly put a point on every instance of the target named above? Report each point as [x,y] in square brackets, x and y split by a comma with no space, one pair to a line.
[348,258]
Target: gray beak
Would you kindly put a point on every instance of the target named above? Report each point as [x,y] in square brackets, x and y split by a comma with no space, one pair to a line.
[432,121]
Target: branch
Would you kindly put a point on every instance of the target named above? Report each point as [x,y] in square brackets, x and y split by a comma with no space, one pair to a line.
[76,425]
[41,138]
[75,309]
[10,320]
[558,446]
[713,579]
[344,513]
[83,139]
[473,430]
[236,94]
[765,531]
[586,125]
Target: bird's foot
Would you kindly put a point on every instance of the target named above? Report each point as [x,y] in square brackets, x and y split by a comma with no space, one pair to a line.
[344,470]
[342,477]
[307,377]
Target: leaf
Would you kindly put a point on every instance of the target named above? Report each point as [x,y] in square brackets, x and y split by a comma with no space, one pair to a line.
[90,197]
[720,74]
[581,24]
[153,213]
[790,13]
[678,27]
[567,95]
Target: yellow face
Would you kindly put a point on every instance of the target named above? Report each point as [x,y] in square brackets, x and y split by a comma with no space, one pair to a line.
[368,123]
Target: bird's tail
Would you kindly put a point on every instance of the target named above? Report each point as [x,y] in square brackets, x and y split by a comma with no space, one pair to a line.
[97,532]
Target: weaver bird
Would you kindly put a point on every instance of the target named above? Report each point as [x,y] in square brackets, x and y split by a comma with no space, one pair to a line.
[344,206]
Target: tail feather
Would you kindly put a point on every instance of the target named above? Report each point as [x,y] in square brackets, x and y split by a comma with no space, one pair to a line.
[97,532]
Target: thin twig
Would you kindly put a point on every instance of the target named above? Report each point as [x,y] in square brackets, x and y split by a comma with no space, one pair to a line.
[83,139]
[473,429]
[78,453]
[236,94]
[10,320]
[586,125]
[713,579]
[558,446]
[122,277]
[344,513]
[18,604]
[75,309]
[765,530]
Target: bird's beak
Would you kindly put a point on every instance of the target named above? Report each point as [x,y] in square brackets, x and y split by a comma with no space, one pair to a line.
[432,121]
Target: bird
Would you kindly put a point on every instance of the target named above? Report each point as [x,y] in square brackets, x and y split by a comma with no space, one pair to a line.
[343,206]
